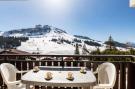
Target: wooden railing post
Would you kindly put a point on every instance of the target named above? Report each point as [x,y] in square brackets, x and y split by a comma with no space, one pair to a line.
[62,63]
[122,76]
[117,65]
[131,76]
[122,82]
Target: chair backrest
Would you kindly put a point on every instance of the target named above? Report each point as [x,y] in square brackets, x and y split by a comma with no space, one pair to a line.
[8,72]
[107,74]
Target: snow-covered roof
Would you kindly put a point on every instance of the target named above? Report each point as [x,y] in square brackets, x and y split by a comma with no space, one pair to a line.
[13,51]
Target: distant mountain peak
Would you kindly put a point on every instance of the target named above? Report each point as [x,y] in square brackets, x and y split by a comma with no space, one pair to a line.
[36,31]
[130,44]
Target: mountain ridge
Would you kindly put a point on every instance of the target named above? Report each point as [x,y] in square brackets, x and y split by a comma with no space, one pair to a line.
[46,30]
[36,31]
[48,39]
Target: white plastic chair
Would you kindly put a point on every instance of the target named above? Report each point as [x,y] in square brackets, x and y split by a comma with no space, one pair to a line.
[106,76]
[8,72]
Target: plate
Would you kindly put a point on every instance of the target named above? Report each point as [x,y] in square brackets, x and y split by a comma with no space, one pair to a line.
[35,70]
[71,79]
[84,72]
[48,78]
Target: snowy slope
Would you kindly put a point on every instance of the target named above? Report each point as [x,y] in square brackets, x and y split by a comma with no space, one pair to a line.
[44,46]
[43,43]
[51,40]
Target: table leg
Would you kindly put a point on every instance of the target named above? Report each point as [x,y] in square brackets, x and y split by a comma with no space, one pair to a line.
[86,88]
[91,87]
[27,86]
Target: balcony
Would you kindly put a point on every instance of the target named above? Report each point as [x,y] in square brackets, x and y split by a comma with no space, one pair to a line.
[124,64]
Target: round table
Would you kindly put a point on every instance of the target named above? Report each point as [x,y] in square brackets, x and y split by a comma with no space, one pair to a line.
[59,79]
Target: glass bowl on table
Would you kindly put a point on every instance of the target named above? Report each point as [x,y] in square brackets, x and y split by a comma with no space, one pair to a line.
[36,69]
[70,76]
[83,70]
[48,76]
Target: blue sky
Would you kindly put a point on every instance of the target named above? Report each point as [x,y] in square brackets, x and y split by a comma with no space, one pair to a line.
[94,18]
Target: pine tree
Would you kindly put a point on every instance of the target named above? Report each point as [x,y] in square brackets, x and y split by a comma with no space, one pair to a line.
[85,50]
[132,51]
[110,43]
[77,49]
[98,50]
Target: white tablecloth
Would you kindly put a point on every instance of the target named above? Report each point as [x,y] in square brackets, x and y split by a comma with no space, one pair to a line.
[59,77]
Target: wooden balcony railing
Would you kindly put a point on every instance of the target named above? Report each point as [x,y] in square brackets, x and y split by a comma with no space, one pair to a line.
[124,64]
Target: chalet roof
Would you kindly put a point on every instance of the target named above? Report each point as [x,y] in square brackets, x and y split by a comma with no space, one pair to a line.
[13,51]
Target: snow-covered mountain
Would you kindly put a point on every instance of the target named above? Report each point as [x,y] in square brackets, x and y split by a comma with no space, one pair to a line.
[131,44]
[1,33]
[38,30]
[50,40]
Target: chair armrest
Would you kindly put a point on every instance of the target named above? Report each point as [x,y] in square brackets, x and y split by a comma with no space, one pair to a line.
[95,72]
[22,71]
[102,86]
[15,82]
